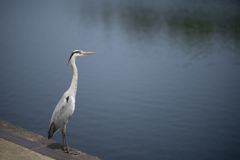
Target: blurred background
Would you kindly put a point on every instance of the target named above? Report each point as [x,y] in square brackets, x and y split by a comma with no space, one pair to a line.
[164,82]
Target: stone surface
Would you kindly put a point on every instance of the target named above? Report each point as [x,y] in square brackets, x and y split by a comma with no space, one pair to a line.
[12,151]
[8,127]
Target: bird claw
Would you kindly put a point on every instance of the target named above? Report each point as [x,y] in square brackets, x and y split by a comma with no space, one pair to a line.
[65,149]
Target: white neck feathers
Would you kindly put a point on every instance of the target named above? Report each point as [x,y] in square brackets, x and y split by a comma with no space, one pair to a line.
[73,87]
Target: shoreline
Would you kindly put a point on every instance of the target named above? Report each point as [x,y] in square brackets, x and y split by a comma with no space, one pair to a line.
[27,139]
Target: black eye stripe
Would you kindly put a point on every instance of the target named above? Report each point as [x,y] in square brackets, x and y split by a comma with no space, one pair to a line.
[76,51]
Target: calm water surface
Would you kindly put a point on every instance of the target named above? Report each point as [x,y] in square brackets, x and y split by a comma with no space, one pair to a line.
[164,82]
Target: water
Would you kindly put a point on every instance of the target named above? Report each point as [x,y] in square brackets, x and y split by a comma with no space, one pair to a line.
[163,84]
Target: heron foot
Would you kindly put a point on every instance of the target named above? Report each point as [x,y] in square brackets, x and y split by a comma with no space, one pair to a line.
[66,149]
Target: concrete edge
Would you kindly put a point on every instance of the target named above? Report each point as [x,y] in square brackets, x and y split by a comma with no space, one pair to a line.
[34,146]
[38,143]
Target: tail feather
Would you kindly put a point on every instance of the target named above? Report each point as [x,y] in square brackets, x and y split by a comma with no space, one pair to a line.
[51,130]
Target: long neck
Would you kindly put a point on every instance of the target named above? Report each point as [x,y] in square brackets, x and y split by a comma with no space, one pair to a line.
[73,87]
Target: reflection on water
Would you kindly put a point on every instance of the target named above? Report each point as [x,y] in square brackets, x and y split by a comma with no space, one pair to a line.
[163,84]
[189,26]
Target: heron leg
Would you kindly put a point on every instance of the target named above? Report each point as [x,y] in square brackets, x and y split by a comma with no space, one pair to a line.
[67,144]
[64,137]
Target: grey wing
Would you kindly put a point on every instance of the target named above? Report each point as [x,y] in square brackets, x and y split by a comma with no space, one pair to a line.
[61,114]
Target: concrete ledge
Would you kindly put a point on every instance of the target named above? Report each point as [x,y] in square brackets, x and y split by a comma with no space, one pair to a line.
[38,143]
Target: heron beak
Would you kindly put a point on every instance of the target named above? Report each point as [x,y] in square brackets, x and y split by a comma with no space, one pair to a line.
[88,53]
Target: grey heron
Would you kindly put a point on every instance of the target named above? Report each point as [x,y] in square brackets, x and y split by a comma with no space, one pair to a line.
[66,105]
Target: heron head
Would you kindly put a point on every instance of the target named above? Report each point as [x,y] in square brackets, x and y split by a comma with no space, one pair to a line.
[79,53]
